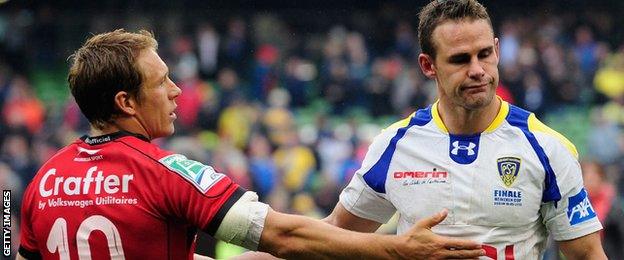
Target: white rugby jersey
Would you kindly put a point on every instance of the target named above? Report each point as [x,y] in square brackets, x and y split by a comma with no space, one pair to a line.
[506,187]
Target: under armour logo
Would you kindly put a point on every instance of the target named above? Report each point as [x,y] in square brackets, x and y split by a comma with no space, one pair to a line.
[470,148]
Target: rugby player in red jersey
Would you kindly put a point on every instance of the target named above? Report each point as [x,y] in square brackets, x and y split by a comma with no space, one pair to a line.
[116,195]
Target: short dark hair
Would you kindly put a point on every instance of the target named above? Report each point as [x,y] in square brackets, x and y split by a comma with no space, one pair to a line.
[438,11]
[103,66]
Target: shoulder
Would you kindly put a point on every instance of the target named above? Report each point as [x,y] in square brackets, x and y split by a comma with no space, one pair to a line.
[536,126]
[418,118]
[532,126]
[158,157]
[397,131]
[399,124]
[176,167]
[147,149]
[60,159]
[60,156]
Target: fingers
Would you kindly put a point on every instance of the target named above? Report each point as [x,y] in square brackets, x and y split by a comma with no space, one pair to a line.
[455,243]
[462,254]
[445,247]
[433,220]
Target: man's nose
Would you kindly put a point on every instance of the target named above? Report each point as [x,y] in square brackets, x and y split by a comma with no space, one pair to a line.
[476,69]
[176,90]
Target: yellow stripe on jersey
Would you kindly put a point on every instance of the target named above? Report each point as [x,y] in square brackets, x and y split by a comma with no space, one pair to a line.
[498,120]
[403,123]
[436,117]
[500,117]
[537,126]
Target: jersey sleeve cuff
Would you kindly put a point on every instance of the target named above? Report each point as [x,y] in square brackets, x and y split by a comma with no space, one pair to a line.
[244,223]
[218,218]
[379,218]
[586,230]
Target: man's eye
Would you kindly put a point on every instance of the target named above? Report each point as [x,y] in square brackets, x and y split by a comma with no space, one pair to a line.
[485,54]
[459,60]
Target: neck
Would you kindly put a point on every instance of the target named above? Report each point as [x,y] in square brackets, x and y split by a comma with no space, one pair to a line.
[121,124]
[108,129]
[461,121]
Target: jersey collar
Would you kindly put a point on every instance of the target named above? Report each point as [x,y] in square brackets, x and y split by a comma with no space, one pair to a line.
[95,140]
[498,120]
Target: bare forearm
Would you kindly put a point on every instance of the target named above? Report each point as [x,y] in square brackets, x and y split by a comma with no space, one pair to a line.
[342,218]
[593,255]
[583,248]
[290,236]
[586,254]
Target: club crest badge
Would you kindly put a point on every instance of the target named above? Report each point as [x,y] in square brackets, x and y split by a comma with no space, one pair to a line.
[508,168]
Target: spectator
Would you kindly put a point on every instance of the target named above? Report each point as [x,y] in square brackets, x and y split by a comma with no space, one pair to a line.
[22,108]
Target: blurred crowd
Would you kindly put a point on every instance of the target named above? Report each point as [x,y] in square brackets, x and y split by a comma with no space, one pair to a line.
[286,102]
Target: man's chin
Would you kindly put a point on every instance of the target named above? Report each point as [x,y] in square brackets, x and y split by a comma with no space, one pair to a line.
[165,133]
[170,132]
[478,101]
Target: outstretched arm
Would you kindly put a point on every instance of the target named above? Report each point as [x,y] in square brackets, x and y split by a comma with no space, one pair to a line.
[342,218]
[254,225]
[291,236]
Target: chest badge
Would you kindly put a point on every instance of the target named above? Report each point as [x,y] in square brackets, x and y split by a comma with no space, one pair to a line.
[508,168]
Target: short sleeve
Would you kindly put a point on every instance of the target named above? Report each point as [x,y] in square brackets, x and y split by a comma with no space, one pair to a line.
[362,201]
[573,215]
[365,195]
[196,192]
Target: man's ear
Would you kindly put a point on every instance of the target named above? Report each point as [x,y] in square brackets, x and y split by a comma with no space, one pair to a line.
[125,103]
[426,65]
[497,49]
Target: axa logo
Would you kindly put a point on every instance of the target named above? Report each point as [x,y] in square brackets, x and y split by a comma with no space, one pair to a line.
[469,148]
[579,208]
[583,209]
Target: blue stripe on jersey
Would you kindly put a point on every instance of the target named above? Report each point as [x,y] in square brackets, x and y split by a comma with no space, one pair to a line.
[375,177]
[519,118]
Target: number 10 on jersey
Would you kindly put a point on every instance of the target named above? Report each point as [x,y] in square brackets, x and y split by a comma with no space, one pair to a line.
[58,240]
[491,252]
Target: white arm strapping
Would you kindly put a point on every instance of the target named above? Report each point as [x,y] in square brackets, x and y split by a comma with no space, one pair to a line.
[244,222]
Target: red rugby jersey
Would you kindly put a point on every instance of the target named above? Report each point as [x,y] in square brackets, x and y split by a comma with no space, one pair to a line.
[119,196]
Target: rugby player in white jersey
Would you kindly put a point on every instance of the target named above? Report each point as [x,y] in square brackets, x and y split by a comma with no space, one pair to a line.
[507,179]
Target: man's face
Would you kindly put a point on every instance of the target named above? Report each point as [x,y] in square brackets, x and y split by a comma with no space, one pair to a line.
[465,66]
[155,111]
